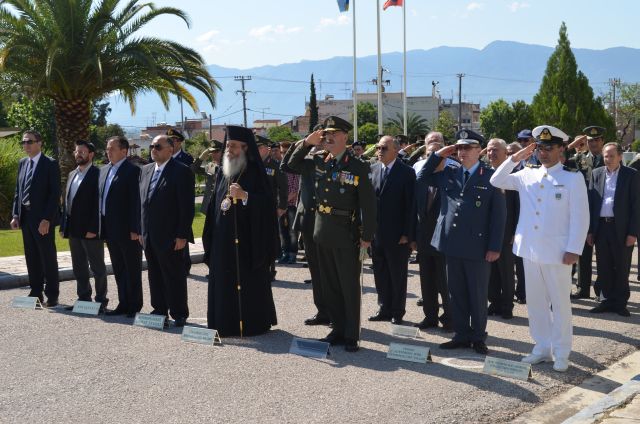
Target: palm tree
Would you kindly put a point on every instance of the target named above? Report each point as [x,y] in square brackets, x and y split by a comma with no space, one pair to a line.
[77,51]
[416,125]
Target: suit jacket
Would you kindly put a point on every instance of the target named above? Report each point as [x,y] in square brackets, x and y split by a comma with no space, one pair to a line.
[471,220]
[44,194]
[425,217]
[184,157]
[394,203]
[167,214]
[278,182]
[626,201]
[122,202]
[84,214]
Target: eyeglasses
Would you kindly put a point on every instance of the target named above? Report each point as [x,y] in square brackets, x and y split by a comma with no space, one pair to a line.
[382,148]
[158,147]
[23,142]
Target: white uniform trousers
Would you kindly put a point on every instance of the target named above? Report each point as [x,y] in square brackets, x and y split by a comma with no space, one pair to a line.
[548,291]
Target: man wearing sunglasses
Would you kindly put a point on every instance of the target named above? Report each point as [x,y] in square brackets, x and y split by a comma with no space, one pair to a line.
[469,233]
[552,229]
[36,213]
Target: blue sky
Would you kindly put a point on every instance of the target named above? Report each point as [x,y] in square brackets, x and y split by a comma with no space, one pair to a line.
[248,33]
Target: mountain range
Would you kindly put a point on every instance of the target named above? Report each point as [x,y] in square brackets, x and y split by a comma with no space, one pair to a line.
[503,69]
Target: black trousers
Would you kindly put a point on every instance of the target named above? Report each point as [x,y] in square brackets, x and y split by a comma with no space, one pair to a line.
[167,281]
[40,255]
[585,270]
[520,286]
[502,282]
[126,259]
[468,282]
[288,235]
[390,268]
[341,288]
[613,260]
[433,281]
[85,254]
[310,251]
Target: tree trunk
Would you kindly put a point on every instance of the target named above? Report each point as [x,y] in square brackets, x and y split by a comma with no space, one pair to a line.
[73,118]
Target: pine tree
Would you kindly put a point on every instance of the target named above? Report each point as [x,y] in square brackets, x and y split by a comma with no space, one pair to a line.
[565,99]
[313,106]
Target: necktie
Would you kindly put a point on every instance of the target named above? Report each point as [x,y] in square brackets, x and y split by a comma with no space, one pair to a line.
[154,181]
[69,199]
[465,178]
[26,189]
[105,190]
[431,196]
[385,174]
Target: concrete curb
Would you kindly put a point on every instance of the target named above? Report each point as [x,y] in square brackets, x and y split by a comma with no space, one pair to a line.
[13,281]
[614,400]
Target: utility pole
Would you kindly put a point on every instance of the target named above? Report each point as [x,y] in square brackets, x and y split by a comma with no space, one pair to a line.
[614,82]
[460,100]
[263,109]
[244,92]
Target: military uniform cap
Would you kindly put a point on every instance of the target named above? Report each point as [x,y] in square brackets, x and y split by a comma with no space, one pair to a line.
[175,134]
[546,134]
[216,145]
[468,137]
[524,135]
[359,143]
[335,123]
[262,141]
[401,138]
[594,131]
[274,145]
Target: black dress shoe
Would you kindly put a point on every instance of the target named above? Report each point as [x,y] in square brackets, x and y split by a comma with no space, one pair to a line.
[117,311]
[507,314]
[69,307]
[316,320]
[480,347]
[420,302]
[493,310]
[599,309]
[522,300]
[623,312]
[351,345]
[379,316]
[426,323]
[51,303]
[180,322]
[454,344]
[397,321]
[308,281]
[580,296]
[333,339]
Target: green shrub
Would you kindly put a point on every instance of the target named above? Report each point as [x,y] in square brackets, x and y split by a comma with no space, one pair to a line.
[635,146]
[10,154]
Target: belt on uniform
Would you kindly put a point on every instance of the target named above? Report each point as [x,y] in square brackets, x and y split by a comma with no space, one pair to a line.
[607,219]
[328,210]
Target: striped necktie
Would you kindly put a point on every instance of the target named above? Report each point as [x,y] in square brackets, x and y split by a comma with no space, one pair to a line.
[154,181]
[26,189]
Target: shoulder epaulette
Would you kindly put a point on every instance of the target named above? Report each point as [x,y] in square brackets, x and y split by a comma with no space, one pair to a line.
[531,165]
[320,152]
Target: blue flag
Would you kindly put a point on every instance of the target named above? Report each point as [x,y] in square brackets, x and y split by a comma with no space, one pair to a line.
[343,5]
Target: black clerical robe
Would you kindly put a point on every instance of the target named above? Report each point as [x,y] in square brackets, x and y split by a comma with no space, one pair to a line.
[255,224]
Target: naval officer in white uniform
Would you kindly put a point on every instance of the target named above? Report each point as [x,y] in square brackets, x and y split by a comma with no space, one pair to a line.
[553,225]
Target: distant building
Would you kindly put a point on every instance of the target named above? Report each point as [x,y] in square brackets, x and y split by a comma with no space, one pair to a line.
[470,113]
[265,124]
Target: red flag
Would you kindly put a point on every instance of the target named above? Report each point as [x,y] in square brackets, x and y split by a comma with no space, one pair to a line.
[390,3]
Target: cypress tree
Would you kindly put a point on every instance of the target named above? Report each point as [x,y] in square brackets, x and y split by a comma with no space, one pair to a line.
[313,106]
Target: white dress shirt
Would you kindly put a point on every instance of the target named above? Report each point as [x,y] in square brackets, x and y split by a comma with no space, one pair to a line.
[75,184]
[107,184]
[610,181]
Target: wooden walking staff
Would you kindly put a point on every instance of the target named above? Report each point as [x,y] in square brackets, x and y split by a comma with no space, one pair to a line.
[236,244]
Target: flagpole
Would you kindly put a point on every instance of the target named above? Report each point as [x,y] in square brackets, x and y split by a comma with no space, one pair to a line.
[404,64]
[355,83]
[379,77]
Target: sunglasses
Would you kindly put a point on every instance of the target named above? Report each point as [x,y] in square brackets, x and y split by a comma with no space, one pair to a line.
[382,148]
[542,148]
[23,142]
[158,147]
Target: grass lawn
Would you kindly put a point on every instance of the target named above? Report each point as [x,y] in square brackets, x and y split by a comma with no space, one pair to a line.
[11,241]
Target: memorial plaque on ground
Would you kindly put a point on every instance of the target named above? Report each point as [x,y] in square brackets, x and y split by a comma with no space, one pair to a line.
[507,368]
[150,321]
[87,308]
[200,335]
[26,302]
[309,348]
[405,331]
[411,353]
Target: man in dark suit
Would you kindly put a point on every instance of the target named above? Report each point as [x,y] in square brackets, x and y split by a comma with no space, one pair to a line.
[35,210]
[614,203]
[520,293]
[167,208]
[469,233]
[81,225]
[120,224]
[393,182]
[433,270]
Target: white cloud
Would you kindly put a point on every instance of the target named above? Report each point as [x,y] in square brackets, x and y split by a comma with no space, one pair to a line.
[267,32]
[207,36]
[517,5]
[474,6]
[331,22]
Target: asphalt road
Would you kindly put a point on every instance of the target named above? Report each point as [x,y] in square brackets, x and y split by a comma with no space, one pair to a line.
[59,367]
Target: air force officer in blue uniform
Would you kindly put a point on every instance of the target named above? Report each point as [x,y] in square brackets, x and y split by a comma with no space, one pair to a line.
[469,232]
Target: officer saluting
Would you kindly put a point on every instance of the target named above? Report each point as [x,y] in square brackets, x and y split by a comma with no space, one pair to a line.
[551,232]
[345,223]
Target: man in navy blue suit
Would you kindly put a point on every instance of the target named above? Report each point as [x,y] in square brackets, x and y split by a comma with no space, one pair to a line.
[36,211]
[393,182]
[469,232]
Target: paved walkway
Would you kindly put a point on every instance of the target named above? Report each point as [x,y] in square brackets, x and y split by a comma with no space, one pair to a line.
[13,269]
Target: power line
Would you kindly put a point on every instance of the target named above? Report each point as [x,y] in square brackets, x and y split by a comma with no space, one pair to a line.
[244,92]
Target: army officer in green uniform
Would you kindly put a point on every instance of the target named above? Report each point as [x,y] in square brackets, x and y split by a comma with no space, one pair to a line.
[345,223]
